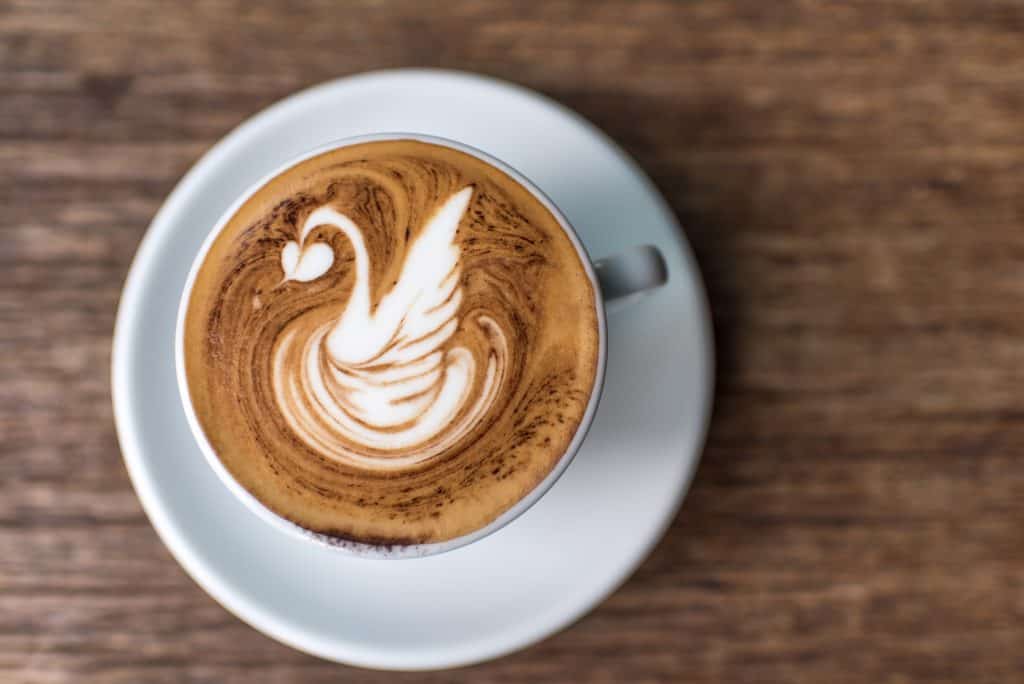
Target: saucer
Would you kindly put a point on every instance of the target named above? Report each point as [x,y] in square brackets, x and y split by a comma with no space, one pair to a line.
[560,558]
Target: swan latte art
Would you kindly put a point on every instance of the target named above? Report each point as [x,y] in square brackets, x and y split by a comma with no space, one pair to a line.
[391,343]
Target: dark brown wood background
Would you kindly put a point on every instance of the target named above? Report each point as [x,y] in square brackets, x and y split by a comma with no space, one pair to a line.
[852,178]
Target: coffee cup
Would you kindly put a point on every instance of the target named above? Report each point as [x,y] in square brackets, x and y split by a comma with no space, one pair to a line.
[611,283]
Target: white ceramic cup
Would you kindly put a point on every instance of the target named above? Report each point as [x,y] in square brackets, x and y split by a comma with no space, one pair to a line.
[616,280]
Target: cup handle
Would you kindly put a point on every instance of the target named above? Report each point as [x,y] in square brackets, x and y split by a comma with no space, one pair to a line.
[630,273]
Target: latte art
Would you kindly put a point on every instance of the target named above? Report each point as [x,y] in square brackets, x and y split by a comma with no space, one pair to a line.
[390,343]
[376,389]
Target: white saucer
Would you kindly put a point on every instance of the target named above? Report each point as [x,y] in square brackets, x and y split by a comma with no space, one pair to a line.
[558,560]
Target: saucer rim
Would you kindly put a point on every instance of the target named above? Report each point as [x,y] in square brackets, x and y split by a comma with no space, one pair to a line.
[252,613]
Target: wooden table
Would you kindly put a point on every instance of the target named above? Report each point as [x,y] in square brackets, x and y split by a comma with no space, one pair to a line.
[852,179]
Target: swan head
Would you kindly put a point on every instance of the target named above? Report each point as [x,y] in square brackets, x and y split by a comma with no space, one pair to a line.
[306,262]
[302,262]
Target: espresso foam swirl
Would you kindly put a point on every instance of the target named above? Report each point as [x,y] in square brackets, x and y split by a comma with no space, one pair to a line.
[392,343]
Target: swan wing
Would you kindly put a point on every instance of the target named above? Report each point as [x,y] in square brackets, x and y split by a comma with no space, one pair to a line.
[407,376]
[427,296]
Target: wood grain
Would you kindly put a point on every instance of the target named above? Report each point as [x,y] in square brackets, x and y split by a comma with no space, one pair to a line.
[851,178]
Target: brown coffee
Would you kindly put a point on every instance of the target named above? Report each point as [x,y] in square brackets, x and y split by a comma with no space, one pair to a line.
[391,343]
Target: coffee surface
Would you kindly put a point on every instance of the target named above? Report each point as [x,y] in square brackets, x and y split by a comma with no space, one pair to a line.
[391,343]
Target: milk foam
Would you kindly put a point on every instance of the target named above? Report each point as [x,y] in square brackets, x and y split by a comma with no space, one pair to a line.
[380,377]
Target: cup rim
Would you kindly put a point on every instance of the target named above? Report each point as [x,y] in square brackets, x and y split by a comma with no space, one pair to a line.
[357,548]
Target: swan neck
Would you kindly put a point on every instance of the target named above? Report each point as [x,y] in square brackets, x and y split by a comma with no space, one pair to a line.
[360,298]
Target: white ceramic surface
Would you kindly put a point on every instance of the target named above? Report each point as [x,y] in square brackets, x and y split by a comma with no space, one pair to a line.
[556,561]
